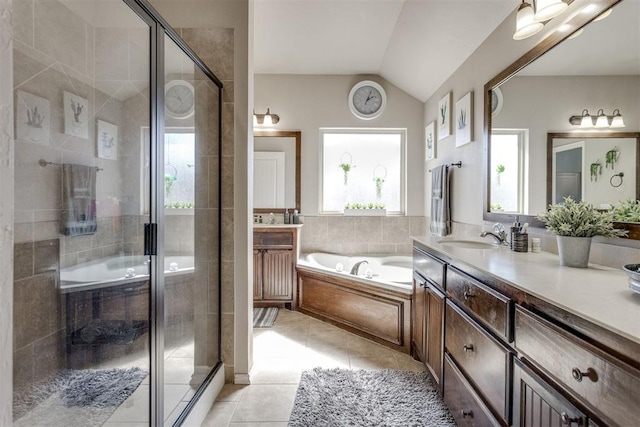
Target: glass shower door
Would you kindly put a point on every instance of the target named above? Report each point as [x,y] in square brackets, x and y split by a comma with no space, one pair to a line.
[191,229]
[82,353]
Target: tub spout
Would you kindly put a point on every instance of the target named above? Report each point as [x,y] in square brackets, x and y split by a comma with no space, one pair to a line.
[356,266]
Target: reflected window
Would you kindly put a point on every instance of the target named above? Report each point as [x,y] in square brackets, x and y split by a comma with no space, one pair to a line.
[508,170]
[363,169]
[179,168]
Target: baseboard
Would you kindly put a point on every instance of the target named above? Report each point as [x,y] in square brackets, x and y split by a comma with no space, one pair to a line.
[241,379]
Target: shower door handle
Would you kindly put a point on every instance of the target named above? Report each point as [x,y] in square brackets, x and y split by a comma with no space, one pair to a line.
[151,239]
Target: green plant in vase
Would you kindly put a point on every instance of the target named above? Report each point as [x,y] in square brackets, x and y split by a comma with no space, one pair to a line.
[574,224]
[168,183]
[379,181]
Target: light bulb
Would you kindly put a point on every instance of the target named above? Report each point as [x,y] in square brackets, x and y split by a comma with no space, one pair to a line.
[602,121]
[548,9]
[616,121]
[526,26]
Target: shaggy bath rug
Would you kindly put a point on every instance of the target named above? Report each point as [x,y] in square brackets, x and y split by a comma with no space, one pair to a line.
[264,317]
[76,397]
[392,398]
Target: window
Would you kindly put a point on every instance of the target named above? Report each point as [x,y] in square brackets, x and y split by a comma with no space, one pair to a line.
[508,174]
[363,167]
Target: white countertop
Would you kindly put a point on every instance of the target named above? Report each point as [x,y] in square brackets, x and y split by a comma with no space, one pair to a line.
[598,294]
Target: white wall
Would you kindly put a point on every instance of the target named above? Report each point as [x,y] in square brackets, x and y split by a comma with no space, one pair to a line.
[496,53]
[6,214]
[309,102]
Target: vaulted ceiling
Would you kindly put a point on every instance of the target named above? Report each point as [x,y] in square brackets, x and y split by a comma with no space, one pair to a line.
[414,44]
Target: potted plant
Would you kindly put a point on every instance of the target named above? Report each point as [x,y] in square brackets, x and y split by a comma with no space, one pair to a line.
[574,224]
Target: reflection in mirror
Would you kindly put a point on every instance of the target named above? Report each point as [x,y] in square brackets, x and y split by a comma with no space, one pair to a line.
[276,170]
[558,79]
[587,166]
[179,170]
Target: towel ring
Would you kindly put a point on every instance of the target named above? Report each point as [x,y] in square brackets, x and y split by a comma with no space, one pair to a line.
[619,175]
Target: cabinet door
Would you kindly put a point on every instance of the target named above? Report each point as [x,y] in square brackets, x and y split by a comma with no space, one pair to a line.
[418,316]
[434,331]
[536,404]
[277,274]
[257,275]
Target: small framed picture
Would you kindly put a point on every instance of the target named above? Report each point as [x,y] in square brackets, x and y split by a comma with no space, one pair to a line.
[430,141]
[107,140]
[33,118]
[444,116]
[464,120]
[76,115]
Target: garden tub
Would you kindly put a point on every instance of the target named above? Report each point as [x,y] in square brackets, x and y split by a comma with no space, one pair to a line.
[375,305]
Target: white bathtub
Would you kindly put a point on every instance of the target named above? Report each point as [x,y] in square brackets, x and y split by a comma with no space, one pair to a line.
[117,270]
[389,271]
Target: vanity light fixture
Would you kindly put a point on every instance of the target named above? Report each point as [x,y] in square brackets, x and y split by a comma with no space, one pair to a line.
[530,22]
[600,120]
[549,9]
[267,119]
[526,25]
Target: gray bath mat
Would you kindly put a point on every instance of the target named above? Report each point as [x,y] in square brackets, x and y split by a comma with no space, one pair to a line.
[264,317]
[85,397]
[391,398]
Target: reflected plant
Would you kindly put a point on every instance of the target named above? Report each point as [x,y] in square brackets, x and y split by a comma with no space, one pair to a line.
[611,158]
[595,169]
[499,170]
[379,181]
[627,211]
[168,183]
[346,167]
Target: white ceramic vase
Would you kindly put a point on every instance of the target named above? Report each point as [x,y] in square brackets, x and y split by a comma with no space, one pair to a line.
[574,251]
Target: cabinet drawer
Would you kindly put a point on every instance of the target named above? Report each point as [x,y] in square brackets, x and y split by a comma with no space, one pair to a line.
[465,405]
[491,307]
[484,359]
[280,239]
[607,387]
[429,267]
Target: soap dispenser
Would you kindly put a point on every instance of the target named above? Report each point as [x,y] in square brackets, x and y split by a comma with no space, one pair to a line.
[287,217]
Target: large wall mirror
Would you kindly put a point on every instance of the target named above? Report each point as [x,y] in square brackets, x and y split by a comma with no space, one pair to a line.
[276,171]
[593,66]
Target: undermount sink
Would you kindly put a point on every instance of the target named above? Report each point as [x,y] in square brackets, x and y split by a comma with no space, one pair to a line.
[468,244]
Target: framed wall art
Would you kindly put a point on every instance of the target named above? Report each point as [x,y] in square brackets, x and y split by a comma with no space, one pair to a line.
[76,115]
[430,141]
[107,140]
[464,120]
[33,118]
[444,116]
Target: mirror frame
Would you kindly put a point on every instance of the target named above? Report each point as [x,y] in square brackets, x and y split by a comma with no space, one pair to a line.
[555,38]
[284,134]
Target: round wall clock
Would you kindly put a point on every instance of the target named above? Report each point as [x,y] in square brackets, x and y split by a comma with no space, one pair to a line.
[178,99]
[367,100]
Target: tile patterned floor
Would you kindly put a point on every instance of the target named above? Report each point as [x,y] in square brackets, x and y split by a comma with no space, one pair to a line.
[295,343]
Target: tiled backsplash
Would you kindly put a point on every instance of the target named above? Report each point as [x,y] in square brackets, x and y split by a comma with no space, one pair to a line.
[361,235]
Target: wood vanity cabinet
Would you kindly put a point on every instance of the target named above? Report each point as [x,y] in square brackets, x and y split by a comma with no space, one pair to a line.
[427,336]
[512,359]
[275,253]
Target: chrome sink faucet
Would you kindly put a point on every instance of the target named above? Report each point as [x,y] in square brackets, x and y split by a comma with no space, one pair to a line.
[356,266]
[499,234]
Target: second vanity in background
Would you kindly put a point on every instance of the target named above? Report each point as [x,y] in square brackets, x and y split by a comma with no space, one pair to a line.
[276,249]
[516,339]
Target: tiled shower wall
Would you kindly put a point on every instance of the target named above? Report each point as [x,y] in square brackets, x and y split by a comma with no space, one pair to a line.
[350,235]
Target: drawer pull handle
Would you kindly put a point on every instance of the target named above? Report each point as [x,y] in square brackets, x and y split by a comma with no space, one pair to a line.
[466,414]
[567,420]
[577,374]
[468,295]
[467,347]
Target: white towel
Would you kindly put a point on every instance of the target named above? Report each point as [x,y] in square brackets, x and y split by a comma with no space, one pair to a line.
[440,224]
